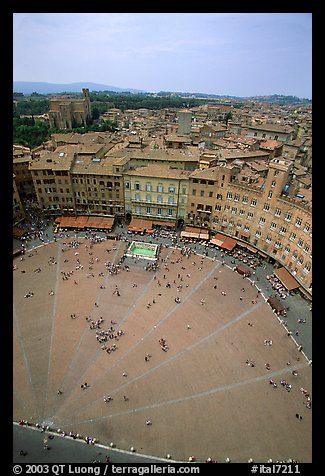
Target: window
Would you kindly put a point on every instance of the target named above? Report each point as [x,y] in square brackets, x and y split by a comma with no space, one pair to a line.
[229,195]
[293,236]
[307,268]
[262,221]
[288,216]
[201,193]
[148,210]
[159,211]
[137,197]
[270,195]
[300,242]
[306,248]
[137,186]
[298,222]
[127,185]
[245,199]
[277,212]
[307,227]
[233,210]
[159,199]
[273,226]
[266,207]
[236,197]
[148,187]
[268,239]
[148,198]
[283,230]
[170,212]
[160,188]
[193,192]
[171,189]
[253,203]
[170,200]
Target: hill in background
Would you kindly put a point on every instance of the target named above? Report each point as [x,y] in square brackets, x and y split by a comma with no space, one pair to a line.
[29,87]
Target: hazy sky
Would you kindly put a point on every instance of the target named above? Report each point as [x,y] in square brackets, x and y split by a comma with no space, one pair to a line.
[240,54]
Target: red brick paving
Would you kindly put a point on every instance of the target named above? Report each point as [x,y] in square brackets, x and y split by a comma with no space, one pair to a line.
[200,396]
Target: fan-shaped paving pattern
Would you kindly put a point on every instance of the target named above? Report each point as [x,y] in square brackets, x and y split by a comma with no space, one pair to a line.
[199,394]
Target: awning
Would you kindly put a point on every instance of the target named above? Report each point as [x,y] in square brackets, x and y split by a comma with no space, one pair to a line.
[185,234]
[67,222]
[228,243]
[18,232]
[204,236]
[135,229]
[190,234]
[264,255]
[288,281]
[216,242]
[306,293]
[85,221]
[107,222]
[248,247]
[140,223]
[224,241]
[94,222]
[243,270]
[195,232]
[81,221]
[276,305]
[168,224]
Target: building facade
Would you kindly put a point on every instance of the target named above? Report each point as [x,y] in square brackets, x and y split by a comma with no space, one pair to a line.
[156,192]
[255,210]
[69,113]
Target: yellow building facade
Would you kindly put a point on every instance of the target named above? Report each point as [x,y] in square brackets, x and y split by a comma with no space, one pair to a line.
[156,192]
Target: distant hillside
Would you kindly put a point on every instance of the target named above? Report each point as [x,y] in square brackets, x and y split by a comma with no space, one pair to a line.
[29,87]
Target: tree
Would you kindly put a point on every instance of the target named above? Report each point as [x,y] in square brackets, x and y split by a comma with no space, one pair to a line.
[95,113]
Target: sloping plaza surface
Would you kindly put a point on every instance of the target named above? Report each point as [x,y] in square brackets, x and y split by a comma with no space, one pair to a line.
[182,378]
